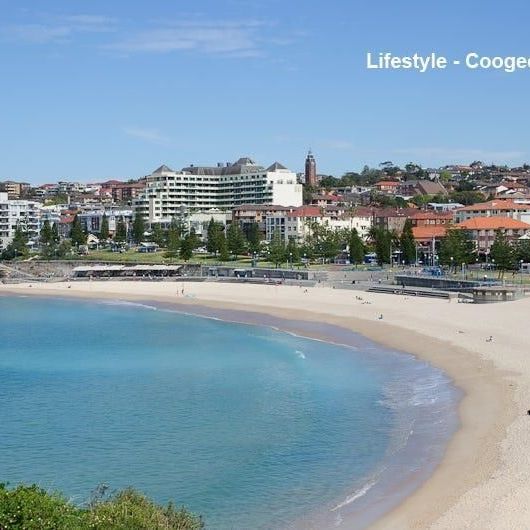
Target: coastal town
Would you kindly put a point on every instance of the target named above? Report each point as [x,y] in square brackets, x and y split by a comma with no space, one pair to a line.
[455,217]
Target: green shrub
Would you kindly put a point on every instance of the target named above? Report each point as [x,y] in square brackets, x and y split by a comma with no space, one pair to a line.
[32,508]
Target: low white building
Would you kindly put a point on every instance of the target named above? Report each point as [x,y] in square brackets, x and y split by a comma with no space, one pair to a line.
[15,213]
[295,223]
[223,187]
[91,220]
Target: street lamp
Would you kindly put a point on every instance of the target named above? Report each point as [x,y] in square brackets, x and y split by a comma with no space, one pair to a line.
[451,258]
[521,270]
[290,260]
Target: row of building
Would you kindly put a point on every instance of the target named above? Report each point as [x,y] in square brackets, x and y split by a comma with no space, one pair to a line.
[483,221]
[246,192]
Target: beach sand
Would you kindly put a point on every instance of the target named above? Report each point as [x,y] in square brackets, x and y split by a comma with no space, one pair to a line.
[483,481]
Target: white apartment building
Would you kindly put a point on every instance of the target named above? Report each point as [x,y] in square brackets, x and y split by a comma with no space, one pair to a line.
[223,187]
[295,223]
[18,212]
[91,220]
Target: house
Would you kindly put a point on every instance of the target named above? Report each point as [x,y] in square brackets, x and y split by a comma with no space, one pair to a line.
[410,188]
[444,206]
[484,229]
[388,187]
[324,199]
[519,210]
[431,218]
[392,219]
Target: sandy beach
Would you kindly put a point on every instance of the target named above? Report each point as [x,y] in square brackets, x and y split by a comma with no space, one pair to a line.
[484,478]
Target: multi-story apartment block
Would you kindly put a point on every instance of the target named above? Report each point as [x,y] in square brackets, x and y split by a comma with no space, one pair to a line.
[516,209]
[200,188]
[91,220]
[14,190]
[484,229]
[248,214]
[18,212]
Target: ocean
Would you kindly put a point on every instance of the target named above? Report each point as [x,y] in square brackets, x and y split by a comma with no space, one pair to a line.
[250,426]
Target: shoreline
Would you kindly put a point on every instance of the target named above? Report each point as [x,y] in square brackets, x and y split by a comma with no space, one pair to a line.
[473,453]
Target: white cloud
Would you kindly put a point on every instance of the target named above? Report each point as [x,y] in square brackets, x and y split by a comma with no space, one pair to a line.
[229,38]
[239,39]
[147,134]
[58,29]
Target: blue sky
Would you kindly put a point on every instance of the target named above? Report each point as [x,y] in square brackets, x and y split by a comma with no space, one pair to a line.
[99,89]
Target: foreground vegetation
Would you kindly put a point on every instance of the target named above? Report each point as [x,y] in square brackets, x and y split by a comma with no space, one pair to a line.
[32,508]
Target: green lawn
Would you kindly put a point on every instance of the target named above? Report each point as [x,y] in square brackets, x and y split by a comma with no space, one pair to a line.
[132,256]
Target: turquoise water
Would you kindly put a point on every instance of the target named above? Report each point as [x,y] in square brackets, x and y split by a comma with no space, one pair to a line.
[249,426]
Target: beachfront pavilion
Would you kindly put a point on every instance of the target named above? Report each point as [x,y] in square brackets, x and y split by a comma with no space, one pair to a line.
[127,271]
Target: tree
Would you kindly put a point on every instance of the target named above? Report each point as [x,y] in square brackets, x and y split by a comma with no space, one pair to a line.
[466,197]
[445,176]
[292,251]
[456,248]
[46,233]
[214,232]
[382,239]
[356,246]
[138,229]
[235,239]
[47,240]
[173,242]
[194,239]
[277,249]
[522,251]
[121,231]
[329,182]
[186,247]
[55,233]
[502,252]
[157,235]
[415,171]
[77,235]
[325,242]
[222,246]
[18,247]
[64,249]
[254,237]
[408,243]
[104,228]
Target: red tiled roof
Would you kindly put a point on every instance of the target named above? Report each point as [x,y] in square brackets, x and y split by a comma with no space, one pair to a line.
[306,211]
[431,215]
[429,231]
[66,220]
[498,204]
[492,223]
[387,183]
